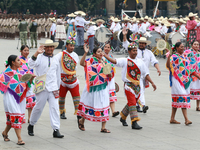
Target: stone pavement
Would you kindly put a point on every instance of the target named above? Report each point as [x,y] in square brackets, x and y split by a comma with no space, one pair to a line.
[157,133]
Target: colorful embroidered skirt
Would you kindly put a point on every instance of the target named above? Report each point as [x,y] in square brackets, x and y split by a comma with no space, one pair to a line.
[112,92]
[15,113]
[30,98]
[192,37]
[180,95]
[95,106]
[195,90]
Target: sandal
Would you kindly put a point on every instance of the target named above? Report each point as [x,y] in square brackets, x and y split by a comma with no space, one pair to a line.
[197,109]
[105,131]
[115,114]
[6,139]
[81,126]
[20,143]
[188,122]
[174,122]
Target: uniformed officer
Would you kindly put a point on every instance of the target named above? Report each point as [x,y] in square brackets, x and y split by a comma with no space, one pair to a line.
[23,31]
[33,32]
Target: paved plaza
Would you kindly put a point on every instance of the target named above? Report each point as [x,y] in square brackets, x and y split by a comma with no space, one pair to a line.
[157,133]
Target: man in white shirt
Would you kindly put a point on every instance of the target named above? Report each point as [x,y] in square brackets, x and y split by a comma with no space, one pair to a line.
[142,27]
[80,22]
[148,57]
[182,28]
[134,26]
[90,34]
[163,29]
[133,69]
[68,61]
[45,62]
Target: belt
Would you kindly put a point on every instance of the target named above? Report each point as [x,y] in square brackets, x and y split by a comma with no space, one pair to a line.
[90,36]
[79,26]
[71,25]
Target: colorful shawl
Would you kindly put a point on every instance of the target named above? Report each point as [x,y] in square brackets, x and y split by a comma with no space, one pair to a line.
[10,81]
[191,24]
[194,58]
[68,64]
[180,69]
[96,80]
[113,71]
[24,65]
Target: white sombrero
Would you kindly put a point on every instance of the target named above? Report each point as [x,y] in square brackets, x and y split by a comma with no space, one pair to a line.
[100,20]
[50,43]
[116,20]
[72,15]
[192,15]
[79,13]
[92,23]
[144,40]
[181,21]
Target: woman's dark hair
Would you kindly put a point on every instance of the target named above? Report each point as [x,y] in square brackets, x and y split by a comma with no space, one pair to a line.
[194,42]
[23,47]
[95,50]
[176,46]
[11,58]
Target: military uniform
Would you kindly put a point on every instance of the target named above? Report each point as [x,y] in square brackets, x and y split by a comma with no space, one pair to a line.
[39,28]
[23,32]
[33,32]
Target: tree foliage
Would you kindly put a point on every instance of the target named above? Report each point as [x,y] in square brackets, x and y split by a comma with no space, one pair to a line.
[6,4]
[87,5]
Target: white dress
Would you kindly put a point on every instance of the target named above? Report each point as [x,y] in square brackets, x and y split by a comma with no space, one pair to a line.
[60,30]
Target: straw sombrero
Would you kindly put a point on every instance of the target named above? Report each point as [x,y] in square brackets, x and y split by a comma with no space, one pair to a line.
[79,13]
[144,40]
[72,15]
[50,43]
[100,20]
[116,20]
[192,15]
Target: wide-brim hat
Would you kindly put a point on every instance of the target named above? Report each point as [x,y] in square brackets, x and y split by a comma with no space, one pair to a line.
[157,22]
[141,19]
[52,19]
[192,15]
[146,17]
[116,20]
[79,13]
[126,19]
[144,40]
[168,24]
[170,19]
[181,21]
[72,15]
[151,20]
[100,20]
[91,23]
[50,43]
[186,19]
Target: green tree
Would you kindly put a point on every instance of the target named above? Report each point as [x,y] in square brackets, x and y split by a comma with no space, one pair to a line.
[6,4]
[87,5]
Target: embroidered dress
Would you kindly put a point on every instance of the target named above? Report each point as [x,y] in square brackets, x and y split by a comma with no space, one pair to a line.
[180,71]
[30,96]
[111,82]
[14,96]
[192,33]
[60,30]
[94,103]
[194,58]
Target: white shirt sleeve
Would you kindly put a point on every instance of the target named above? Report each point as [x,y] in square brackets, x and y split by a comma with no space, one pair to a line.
[121,62]
[153,58]
[125,44]
[34,63]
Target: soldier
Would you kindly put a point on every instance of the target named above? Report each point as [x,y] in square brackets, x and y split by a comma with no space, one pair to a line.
[12,28]
[33,31]
[1,27]
[39,27]
[23,31]
[43,21]
[48,26]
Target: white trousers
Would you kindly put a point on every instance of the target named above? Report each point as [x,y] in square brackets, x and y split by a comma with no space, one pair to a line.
[142,88]
[41,99]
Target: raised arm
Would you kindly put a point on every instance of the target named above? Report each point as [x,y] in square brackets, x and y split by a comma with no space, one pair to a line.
[86,49]
[168,59]
[110,59]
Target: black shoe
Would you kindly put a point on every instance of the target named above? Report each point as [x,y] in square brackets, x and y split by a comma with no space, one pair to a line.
[124,123]
[30,130]
[145,108]
[62,116]
[56,134]
[138,109]
[135,125]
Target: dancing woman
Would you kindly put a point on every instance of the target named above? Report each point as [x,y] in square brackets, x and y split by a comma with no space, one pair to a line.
[194,57]
[180,71]
[30,96]
[94,102]
[111,84]
[14,97]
